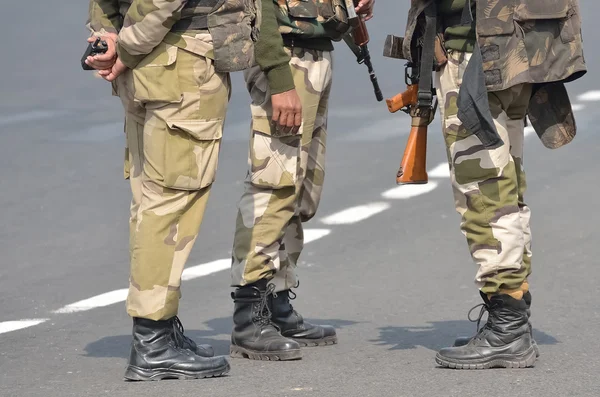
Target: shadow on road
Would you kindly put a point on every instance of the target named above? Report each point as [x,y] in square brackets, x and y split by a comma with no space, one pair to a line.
[119,345]
[438,335]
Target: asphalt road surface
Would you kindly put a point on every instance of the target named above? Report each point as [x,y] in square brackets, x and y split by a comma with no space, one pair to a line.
[387,266]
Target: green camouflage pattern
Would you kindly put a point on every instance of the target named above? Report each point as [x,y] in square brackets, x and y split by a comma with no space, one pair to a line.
[525,41]
[311,19]
[173,129]
[521,41]
[285,178]
[489,185]
[234,27]
[142,24]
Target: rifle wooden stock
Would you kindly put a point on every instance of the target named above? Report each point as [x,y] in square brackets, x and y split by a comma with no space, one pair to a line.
[408,97]
[359,29]
[414,162]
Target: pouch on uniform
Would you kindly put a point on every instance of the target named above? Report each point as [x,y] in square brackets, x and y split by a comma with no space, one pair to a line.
[337,25]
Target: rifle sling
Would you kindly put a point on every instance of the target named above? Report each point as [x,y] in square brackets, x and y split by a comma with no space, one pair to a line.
[425,95]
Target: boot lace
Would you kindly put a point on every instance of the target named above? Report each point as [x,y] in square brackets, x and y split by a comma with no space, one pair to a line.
[178,334]
[262,311]
[482,311]
[292,295]
[489,308]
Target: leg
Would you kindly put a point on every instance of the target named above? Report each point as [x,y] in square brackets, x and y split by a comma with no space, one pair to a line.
[486,191]
[268,205]
[180,143]
[310,178]
[276,173]
[310,186]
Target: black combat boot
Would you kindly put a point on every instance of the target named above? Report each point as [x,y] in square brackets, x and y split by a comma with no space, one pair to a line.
[503,342]
[254,336]
[189,344]
[463,340]
[156,354]
[293,326]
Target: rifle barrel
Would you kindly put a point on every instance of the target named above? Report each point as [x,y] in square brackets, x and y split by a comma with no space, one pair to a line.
[367,60]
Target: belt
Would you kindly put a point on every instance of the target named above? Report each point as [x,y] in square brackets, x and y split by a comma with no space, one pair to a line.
[197,22]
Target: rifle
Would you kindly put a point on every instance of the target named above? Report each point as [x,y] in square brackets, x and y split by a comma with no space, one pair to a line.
[357,41]
[418,101]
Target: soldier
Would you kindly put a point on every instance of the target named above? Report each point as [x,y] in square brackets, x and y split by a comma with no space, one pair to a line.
[522,53]
[285,177]
[169,62]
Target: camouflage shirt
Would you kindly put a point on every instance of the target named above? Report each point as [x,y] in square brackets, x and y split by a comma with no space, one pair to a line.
[143,24]
[523,41]
[308,19]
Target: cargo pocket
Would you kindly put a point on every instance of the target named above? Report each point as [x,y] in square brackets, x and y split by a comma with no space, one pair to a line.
[191,153]
[529,10]
[155,78]
[560,10]
[273,160]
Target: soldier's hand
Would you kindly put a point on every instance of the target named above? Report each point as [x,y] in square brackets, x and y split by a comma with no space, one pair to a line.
[287,110]
[365,7]
[111,74]
[106,60]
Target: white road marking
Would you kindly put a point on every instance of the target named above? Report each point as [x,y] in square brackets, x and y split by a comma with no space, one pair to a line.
[205,269]
[355,214]
[441,171]
[102,300]
[8,326]
[311,235]
[190,273]
[409,191]
[590,96]
[577,107]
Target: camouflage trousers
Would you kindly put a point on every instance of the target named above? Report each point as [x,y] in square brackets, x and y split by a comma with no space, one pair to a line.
[489,185]
[175,106]
[285,177]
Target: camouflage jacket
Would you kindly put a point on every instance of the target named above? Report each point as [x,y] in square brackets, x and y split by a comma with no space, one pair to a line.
[521,41]
[143,24]
[312,18]
[525,41]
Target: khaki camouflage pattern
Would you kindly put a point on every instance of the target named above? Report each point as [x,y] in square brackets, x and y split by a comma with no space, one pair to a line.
[285,177]
[106,16]
[489,185]
[311,18]
[144,27]
[525,41]
[142,24]
[175,105]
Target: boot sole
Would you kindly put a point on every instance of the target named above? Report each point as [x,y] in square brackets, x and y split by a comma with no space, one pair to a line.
[330,340]
[524,360]
[287,355]
[535,347]
[134,373]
